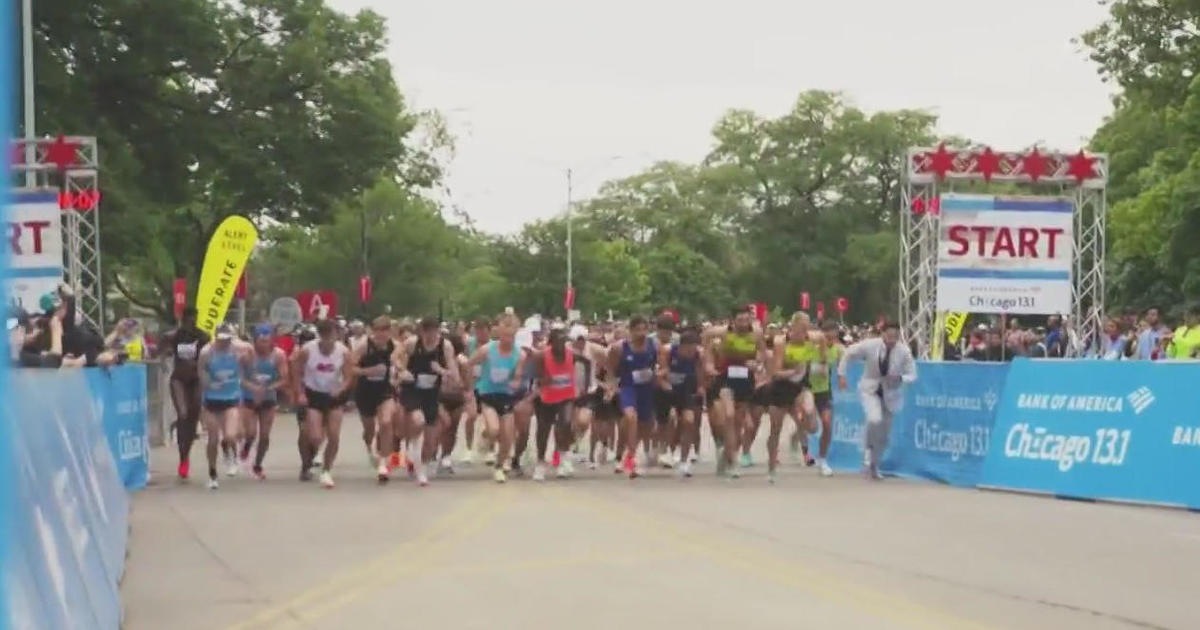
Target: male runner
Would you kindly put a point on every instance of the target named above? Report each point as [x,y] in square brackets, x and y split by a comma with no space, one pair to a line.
[681,370]
[481,334]
[737,352]
[632,363]
[789,389]
[454,399]
[664,439]
[323,377]
[888,366]
[373,358]
[501,362]
[265,373]
[828,353]
[589,357]
[557,392]
[531,341]
[428,359]
[220,369]
[184,345]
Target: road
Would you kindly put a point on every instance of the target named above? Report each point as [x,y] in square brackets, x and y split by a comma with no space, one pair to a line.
[600,551]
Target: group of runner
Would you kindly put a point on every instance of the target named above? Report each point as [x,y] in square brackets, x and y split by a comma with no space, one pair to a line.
[638,396]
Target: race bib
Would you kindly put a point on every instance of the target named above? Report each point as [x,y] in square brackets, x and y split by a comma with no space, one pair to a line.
[643,376]
[186,351]
[677,378]
[427,381]
[500,374]
[819,369]
[477,370]
[561,380]
[263,378]
[379,378]
[797,377]
[738,371]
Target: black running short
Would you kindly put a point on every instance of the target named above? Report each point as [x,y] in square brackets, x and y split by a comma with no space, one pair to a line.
[783,393]
[262,405]
[452,401]
[219,406]
[683,401]
[608,408]
[423,400]
[663,404]
[761,396]
[823,400]
[369,396]
[590,400]
[323,402]
[552,412]
[502,404]
[742,388]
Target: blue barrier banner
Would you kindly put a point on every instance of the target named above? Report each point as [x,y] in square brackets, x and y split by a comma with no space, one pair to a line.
[120,397]
[943,431]
[1114,430]
[846,446]
[70,534]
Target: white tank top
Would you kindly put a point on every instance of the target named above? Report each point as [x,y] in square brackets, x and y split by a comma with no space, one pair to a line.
[323,372]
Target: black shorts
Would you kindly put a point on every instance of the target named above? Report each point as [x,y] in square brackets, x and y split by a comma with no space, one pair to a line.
[664,400]
[607,409]
[683,401]
[783,393]
[369,396]
[262,405]
[553,412]
[590,401]
[823,400]
[323,402]
[502,404]
[742,388]
[423,400]
[761,396]
[300,413]
[452,401]
[220,406]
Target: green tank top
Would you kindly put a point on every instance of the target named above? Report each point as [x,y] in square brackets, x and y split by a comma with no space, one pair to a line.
[818,371]
[739,346]
[796,353]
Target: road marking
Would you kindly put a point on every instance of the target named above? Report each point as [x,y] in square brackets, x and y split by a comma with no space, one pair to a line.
[692,541]
[470,507]
[591,559]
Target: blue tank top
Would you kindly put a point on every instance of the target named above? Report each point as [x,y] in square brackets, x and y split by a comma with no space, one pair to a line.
[637,368]
[264,372]
[682,372]
[224,376]
[497,370]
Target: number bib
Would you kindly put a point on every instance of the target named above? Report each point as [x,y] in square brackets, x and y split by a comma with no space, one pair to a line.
[643,376]
[738,371]
[499,374]
[427,381]
[677,378]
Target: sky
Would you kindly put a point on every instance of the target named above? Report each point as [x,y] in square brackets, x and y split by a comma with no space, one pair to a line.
[531,88]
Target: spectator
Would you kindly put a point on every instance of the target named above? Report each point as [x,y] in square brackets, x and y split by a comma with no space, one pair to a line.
[1056,337]
[1035,342]
[126,340]
[1185,342]
[1110,345]
[1147,345]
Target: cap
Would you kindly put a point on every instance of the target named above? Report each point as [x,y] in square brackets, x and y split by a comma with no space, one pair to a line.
[263,330]
[49,301]
[578,331]
[524,339]
[224,332]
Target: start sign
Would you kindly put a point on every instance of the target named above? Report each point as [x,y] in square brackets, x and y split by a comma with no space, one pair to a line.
[1005,254]
[35,247]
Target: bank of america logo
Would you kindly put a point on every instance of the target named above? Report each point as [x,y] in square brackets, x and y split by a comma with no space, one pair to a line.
[1141,398]
[990,399]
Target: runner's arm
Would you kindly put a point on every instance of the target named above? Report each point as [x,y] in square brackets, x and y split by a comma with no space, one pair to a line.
[281,366]
[297,373]
[480,355]
[520,369]
[347,373]
[247,364]
[202,367]
[451,369]
[664,366]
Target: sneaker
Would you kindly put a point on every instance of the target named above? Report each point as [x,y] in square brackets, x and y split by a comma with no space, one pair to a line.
[316,462]
[565,469]
[809,460]
[875,474]
[771,476]
[824,469]
[468,458]
[539,473]
[258,473]
[722,464]
[326,480]
[664,460]
[382,472]
[422,478]
[685,469]
[490,460]
[212,483]
[184,469]
[306,474]
[411,468]
[591,465]
[499,476]
[693,458]
[371,459]
[745,461]
[446,465]
[233,467]
[556,459]
[393,461]
[629,465]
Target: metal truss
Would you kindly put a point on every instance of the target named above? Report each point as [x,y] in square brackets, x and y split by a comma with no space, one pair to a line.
[69,165]
[931,171]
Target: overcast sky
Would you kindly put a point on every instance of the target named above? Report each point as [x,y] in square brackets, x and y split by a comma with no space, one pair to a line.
[532,87]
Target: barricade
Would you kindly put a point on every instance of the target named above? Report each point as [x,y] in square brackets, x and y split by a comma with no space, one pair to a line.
[1105,430]
[121,398]
[66,537]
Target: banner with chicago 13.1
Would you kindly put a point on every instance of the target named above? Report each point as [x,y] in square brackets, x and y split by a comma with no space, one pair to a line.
[1113,430]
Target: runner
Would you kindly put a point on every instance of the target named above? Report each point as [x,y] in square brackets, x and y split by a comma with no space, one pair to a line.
[501,362]
[481,335]
[184,345]
[737,352]
[887,367]
[374,395]
[428,360]
[264,371]
[759,401]
[681,370]
[632,363]
[557,391]
[589,358]
[220,367]
[323,375]
[530,340]
[665,440]
[828,353]
[790,387]
[455,398]
[304,334]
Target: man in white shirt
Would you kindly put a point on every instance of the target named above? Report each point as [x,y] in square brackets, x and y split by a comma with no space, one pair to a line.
[888,366]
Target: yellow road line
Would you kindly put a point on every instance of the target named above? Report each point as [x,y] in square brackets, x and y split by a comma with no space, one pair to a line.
[417,561]
[335,585]
[853,595]
[591,559]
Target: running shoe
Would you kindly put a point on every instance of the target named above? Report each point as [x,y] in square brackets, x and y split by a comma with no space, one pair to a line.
[184,470]
[490,460]
[628,465]
[258,473]
[823,467]
[371,460]
[875,474]
[212,483]
[468,458]
[499,476]
[422,478]
[685,470]
[556,459]
[411,468]
[809,460]
[305,474]
[382,471]
[565,469]
[771,476]
[745,461]
[232,468]
[326,480]
[664,460]
[446,465]
[316,462]
[539,473]
[393,461]
[722,463]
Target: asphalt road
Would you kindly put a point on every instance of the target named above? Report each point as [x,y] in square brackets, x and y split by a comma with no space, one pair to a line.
[600,551]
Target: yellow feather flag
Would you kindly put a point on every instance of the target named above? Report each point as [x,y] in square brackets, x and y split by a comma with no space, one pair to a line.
[226,258]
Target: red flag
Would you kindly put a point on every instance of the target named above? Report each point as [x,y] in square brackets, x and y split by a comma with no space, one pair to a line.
[312,303]
[842,305]
[804,301]
[569,298]
[179,290]
[760,312]
[820,311]
[364,288]
[672,313]
[240,291]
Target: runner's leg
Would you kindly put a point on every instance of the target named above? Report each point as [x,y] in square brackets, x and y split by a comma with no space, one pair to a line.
[266,420]
[187,415]
[212,428]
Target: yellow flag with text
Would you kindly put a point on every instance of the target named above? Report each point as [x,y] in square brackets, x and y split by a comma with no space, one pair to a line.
[226,258]
[954,325]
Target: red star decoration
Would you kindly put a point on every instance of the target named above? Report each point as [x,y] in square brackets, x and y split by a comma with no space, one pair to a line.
[17,154]
[1034,164]
[62,153]
[1081,167]
[987,163]
[941,161]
